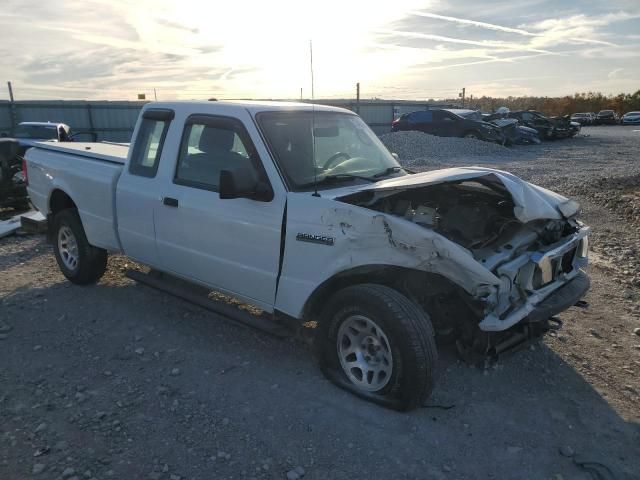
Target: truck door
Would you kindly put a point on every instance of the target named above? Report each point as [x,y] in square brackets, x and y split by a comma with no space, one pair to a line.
[232,245]
[138,191]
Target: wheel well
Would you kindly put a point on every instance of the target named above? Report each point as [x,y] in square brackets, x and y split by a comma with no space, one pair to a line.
[414,284]
[60,201]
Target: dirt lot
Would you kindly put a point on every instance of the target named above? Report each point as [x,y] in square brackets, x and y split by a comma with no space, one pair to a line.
[121,381]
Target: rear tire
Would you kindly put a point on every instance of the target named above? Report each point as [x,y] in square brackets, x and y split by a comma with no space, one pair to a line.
[475,135]
[79,261]
[373,328]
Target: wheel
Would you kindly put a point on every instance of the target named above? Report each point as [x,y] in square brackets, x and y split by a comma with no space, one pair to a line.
[79,261]
[472,135]
[376,343]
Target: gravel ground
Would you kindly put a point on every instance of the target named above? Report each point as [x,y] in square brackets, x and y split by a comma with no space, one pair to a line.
[120,381]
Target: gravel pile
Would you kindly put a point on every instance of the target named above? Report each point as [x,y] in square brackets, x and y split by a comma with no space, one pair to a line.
[420,149]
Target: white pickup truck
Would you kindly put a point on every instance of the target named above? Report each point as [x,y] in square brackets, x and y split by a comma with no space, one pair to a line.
[301,211]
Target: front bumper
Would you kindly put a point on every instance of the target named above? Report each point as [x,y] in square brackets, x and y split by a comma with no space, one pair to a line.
[538,284]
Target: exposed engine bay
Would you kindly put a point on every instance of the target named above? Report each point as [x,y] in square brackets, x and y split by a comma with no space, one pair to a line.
[479,214]
[475,214]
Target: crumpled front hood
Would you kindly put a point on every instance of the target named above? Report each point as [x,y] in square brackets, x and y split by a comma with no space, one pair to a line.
[531,201]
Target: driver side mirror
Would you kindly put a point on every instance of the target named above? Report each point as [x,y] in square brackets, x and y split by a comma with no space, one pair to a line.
[395,155]
[243,182]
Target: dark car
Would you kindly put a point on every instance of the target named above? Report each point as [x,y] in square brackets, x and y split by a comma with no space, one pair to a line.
[447,123]
[557,127]
[515,133]
[13,190]
[607,117]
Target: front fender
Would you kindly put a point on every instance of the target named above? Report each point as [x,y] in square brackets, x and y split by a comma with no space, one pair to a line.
[325,237]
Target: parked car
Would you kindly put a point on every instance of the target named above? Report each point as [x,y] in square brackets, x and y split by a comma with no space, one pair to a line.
[448,123]
[583,118]
[29,132]
[232,196]
[548,128]
[607,117]
[514,133]
[631,118]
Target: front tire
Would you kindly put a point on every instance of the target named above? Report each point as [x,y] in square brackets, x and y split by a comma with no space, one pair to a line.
[79,261]
[376,343]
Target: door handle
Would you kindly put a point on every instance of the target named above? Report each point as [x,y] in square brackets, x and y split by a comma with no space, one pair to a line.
[170,202]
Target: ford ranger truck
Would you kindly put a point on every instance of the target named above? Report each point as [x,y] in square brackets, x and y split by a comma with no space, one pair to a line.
[300,211]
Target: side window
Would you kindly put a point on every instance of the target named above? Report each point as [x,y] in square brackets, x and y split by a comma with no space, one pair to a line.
[210,145]
[527,117]
[421,116]
[148,144]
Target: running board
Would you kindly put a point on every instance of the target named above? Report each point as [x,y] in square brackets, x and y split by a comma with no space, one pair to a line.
[198,295]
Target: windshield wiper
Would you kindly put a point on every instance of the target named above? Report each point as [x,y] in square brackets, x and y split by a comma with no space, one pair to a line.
[389,171]
[336,178]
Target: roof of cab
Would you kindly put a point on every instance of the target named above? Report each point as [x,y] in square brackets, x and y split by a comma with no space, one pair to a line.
[253,106]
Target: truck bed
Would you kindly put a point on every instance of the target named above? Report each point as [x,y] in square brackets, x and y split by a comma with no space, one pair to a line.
[88,174]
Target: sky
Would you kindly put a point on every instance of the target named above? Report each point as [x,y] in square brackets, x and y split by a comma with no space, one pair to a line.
[396,49]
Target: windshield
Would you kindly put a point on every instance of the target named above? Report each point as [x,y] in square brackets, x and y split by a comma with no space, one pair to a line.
[36,131]
[469,115]
[345,148]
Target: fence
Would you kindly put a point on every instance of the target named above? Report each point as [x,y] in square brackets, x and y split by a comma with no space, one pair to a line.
[114,121]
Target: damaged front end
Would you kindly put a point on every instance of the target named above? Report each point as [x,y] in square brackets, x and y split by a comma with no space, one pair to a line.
[529,238]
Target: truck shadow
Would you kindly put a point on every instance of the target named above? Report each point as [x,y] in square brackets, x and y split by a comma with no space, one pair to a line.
[508,422]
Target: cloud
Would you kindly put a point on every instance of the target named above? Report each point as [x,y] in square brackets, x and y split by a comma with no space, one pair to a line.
[614,73]
[403,49]
[474,23]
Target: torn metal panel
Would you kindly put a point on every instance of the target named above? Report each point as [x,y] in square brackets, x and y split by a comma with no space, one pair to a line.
[531,202]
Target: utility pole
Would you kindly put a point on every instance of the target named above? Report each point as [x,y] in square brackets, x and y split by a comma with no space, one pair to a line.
[300,93]
[462,95]
[471,101]
[12,108]
[358,98]
[155,95]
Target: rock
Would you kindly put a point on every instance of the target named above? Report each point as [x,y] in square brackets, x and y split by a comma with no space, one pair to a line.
[594,332]
[37,347]
[637,331]
[173,476]
[225,421]
[292,475]
[38,468]
[300,471]
[41,427]
[61,446]
[68,472]
[4,328]
[175,372]
[566,451]
[139,350]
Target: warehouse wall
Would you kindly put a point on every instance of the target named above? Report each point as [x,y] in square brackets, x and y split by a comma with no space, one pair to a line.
[114,121]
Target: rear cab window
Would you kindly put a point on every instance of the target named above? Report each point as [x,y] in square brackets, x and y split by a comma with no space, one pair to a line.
[148,144]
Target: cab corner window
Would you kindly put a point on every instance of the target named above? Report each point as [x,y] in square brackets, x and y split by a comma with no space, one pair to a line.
[148,146]
[209,148]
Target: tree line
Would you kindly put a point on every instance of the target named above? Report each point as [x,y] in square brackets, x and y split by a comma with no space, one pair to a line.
[579,102]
